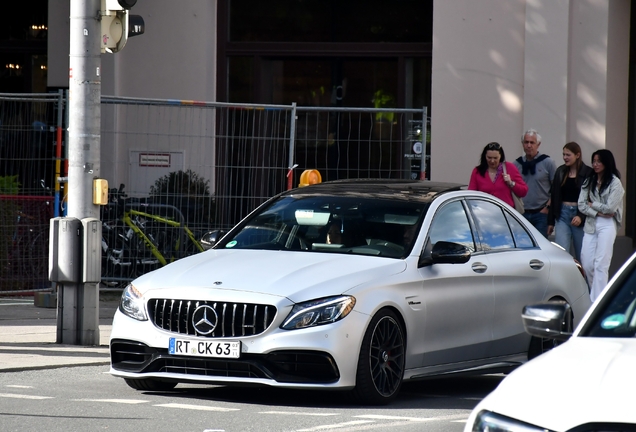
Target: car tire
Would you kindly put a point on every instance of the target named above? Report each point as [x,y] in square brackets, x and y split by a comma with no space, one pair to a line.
[539,345]
[150,384]
[381,361]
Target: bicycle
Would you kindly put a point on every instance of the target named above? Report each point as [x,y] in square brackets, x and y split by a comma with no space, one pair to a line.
[164,237]
[119,261]
[25,253]
[136,241]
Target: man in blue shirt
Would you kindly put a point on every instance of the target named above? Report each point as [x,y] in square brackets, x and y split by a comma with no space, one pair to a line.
[537,171]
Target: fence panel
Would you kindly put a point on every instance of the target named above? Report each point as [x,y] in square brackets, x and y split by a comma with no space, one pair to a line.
[28,125]
[24,243]
[346,143]
[207,164]
[252,159]
[27,143]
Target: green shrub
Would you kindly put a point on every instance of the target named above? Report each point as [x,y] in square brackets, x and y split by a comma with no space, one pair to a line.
[187,191]
[9,185]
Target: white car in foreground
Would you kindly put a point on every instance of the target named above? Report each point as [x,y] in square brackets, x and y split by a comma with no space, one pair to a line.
[347,285]
[586,384]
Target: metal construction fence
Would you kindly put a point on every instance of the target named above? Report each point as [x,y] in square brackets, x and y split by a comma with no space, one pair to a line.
[210,163]
[29,125]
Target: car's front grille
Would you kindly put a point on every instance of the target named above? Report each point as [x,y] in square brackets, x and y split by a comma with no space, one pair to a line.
[283,366]
[228,319]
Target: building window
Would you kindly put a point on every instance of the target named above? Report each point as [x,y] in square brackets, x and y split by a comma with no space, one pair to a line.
[328,53]
[404,21]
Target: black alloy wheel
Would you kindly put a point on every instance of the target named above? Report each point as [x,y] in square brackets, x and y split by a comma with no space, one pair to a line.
[381,361]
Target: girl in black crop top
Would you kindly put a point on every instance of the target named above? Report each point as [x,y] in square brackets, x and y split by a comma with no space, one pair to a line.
[564,218]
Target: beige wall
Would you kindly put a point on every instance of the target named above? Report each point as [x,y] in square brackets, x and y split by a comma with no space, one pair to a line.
[174,59]
[502,66]
[477,82]
[545,74]
[617,82]
[499,67]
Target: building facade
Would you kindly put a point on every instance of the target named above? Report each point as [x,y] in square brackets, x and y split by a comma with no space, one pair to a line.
[487,69]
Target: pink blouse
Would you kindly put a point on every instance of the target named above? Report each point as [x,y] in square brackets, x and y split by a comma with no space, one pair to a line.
[499,188]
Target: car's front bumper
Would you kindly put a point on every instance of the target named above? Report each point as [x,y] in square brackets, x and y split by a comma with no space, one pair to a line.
[317,357]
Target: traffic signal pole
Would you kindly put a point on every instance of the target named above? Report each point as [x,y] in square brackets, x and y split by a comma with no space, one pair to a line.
[78,304]
[96,27]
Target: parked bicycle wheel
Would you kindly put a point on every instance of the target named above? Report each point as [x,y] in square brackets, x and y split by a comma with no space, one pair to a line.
[166,239]
[146,261]
[118,260]
[36,260]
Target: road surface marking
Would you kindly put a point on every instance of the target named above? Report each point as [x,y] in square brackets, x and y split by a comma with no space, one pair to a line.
[299,413]
[196,407]
[122,401]
[21,396]
[451,417]
[336,425]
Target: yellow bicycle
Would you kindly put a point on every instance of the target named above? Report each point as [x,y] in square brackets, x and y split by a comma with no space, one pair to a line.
[165,238]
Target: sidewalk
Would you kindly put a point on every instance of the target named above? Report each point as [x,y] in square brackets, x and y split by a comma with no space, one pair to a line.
[28,335]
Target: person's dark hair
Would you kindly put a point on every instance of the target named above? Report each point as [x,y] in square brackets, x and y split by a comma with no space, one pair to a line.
[483,163]
[607,159]
[575,148]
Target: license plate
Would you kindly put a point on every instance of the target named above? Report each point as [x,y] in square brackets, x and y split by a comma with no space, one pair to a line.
[189,347]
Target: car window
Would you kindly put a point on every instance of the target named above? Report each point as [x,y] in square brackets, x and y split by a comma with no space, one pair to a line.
[616,315]
[451,224]
[522,237]
[492,225]
[331,224]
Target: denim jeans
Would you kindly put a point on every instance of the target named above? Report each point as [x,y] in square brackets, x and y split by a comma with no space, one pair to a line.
[539,220]
[568,235]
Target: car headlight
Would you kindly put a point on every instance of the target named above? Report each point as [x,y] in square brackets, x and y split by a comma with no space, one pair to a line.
[319,312]
[132,304]
[487,421]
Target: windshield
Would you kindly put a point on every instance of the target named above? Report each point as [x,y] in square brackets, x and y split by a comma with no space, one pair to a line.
[328,224]
[615,315]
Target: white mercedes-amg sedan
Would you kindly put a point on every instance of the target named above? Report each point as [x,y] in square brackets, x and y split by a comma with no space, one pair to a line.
[352,285]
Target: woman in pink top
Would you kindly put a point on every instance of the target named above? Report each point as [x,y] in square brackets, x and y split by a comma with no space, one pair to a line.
[489,177]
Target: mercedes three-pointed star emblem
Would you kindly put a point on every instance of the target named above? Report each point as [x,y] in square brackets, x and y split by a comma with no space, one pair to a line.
[204,319]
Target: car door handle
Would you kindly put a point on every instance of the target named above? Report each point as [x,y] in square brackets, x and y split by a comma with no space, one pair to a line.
[536,264]
[479,267]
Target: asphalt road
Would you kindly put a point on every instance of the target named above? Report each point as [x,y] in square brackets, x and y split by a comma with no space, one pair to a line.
[88,398]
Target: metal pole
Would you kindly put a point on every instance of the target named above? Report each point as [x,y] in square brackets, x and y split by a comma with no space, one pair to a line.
[292,136]
[83,152]
[65,165]
[423,166]
[58,152]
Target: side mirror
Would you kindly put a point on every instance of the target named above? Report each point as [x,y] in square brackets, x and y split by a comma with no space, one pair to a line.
[210,238]
[549,320]
[449,253]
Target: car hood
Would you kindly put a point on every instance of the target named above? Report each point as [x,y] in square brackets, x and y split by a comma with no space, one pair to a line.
[298,276]
[582,381]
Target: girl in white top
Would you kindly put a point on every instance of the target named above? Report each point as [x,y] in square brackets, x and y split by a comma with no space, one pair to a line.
[601,200]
